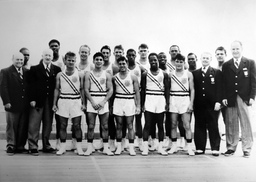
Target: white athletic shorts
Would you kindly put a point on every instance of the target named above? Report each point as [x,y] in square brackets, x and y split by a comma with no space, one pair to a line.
[97,99]
[124,107]
[69,108]
[155,103]
[179,104]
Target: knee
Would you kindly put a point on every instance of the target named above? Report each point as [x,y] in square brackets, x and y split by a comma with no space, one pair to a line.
[130,126]
[91,126]
[174,125]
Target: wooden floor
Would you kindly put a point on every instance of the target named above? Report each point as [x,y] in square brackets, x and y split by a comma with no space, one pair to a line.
[100,168]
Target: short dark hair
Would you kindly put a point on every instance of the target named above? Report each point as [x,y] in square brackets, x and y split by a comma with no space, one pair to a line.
[130,50]
[175,46]
[153,54]
[119,47]
[180,57]
[122,58]
[69,54]
[221,49]
[191,53]
[105,47]
[143,46]
[54,41]
[97,54]
[23,49]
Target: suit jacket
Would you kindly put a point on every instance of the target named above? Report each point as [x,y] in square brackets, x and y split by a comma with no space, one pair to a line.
[40,85]
[241,81]
[14,90]
[208,88]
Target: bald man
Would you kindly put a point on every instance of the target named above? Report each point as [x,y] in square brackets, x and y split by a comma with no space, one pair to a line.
[42,84]
[13,81]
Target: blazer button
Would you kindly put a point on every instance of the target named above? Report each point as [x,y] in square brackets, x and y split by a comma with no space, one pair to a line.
[236,90]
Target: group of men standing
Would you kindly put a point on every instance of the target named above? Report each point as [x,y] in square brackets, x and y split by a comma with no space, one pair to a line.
[119,92]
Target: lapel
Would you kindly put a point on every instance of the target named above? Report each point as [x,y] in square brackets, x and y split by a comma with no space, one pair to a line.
[232,65]
[242,64]
[15,73]
[42,69]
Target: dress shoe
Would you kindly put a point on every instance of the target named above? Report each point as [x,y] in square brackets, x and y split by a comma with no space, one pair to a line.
[229,153]
[199,152]
[10,151]
[247,154]
[34,152]
[21,151]
[49,150]
[215,153]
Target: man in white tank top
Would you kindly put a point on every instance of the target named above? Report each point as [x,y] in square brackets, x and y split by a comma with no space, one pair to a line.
[69,102]
[136,70]
[98,90]
[181,102]
[155,101]
[126,103]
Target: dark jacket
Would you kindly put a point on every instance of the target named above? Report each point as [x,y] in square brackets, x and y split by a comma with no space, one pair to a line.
[241,81]
[40,85]
[208,89]
[14,90]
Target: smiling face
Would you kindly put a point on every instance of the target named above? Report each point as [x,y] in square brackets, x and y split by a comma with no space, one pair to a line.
[55,47]
[206,59]
[118,53]
[84,53]
[162,59]
[18,60]
[153,61]
[47,56]
[98,61]
[122,65]
[236,49]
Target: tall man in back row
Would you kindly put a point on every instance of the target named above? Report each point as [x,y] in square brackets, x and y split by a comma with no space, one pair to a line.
[239,78]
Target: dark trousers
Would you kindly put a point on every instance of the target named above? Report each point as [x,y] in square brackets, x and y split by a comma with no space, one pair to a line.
[153,119]
[111,127]
[36,115]
[206,119]
[17,129]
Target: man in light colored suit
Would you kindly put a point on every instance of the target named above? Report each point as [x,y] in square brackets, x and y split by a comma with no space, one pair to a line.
[239,78]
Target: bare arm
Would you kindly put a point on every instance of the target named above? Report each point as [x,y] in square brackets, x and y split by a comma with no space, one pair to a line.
[87,86]
[81,78]
[109,90]
[192,91]
[56,92]
[137,94]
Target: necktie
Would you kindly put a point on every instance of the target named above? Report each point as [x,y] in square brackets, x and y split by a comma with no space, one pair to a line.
[236,63]
[19,71]
[203,71]
[47,70]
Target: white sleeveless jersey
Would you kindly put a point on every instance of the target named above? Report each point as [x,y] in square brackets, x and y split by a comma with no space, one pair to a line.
[83,71]
[124,87]
[155,83]
[98,85]
[110,69]
[70,85]
[137,72]
[170,67]
[179,84]
[146,66]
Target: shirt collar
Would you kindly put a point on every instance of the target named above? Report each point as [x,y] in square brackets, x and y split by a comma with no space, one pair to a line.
[206,68]
[45,66]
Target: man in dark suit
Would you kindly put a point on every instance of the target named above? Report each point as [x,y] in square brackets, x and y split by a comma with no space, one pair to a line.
[239,78]
[13,81]
[208,90]
[42,84]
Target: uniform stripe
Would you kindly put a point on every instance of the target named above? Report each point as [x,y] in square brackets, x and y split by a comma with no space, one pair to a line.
[118,81]
[179,83]
[70,83]
[96,82]
[170,66]
[151,77]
